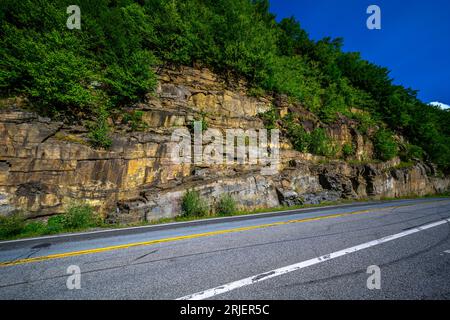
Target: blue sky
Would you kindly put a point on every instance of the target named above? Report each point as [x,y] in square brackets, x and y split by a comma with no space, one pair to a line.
[414,42]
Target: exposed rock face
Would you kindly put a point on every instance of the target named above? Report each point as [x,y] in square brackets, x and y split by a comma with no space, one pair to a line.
[45,165]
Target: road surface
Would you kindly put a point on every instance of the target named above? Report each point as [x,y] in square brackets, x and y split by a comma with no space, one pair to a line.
[317,254]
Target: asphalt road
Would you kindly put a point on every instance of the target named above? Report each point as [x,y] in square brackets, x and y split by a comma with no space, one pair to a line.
[321,254]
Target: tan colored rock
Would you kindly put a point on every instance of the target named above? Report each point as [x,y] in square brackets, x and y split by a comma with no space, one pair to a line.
[45,166]
[136,172]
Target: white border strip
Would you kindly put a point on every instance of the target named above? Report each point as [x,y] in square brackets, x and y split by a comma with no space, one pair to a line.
[294,267]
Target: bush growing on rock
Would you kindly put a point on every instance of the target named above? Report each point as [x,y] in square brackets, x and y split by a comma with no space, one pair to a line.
[270,119]
[321,144]
[77,217]
[192,205]
[35,228]
[80,216]
[410,151]
[385,145]
[55,224]
[226,206]
[12,225]
[348,150]
[135,120]
[301,140]
[99,131]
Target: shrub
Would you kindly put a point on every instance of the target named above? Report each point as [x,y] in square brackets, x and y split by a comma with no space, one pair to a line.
[317,142]
[55,224]
[410,151]
[385,145]
[79,216]
[12,225]
[134,119]
[334,102]
[348,150]
[203,121]
[256,92]
[321,143]
[99,135]
[192,205]
[365,121]
[270,119]
[226,206]
[34,228]
[299,138]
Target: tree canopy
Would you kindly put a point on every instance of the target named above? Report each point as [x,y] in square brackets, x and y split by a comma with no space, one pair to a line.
[109,63]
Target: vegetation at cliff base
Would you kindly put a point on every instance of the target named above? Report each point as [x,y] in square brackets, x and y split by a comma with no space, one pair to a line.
[110,63]
[226,206]
[193,205]
[77,217]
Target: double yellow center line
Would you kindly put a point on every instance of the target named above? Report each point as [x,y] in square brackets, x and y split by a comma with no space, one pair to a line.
[186,237]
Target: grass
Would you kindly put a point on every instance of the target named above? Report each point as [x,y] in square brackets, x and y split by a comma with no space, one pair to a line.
[274,209]
[81,218]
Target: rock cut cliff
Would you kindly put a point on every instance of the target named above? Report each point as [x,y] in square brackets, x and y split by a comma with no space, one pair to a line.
[45,165]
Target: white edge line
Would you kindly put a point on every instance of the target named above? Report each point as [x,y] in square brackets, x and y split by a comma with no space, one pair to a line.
[294,267]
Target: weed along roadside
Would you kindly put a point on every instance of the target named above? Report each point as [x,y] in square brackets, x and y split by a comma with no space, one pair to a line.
[78,217]
[81,218]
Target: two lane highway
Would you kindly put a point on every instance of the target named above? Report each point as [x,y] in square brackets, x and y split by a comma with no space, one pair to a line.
[318,254]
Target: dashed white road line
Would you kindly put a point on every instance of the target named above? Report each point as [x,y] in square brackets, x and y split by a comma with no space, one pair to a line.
[294,267]
[447,251]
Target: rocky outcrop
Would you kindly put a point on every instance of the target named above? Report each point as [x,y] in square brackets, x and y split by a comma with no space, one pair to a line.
[46,165]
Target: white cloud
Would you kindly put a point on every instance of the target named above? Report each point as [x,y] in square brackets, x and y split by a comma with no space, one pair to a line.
[440,105]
